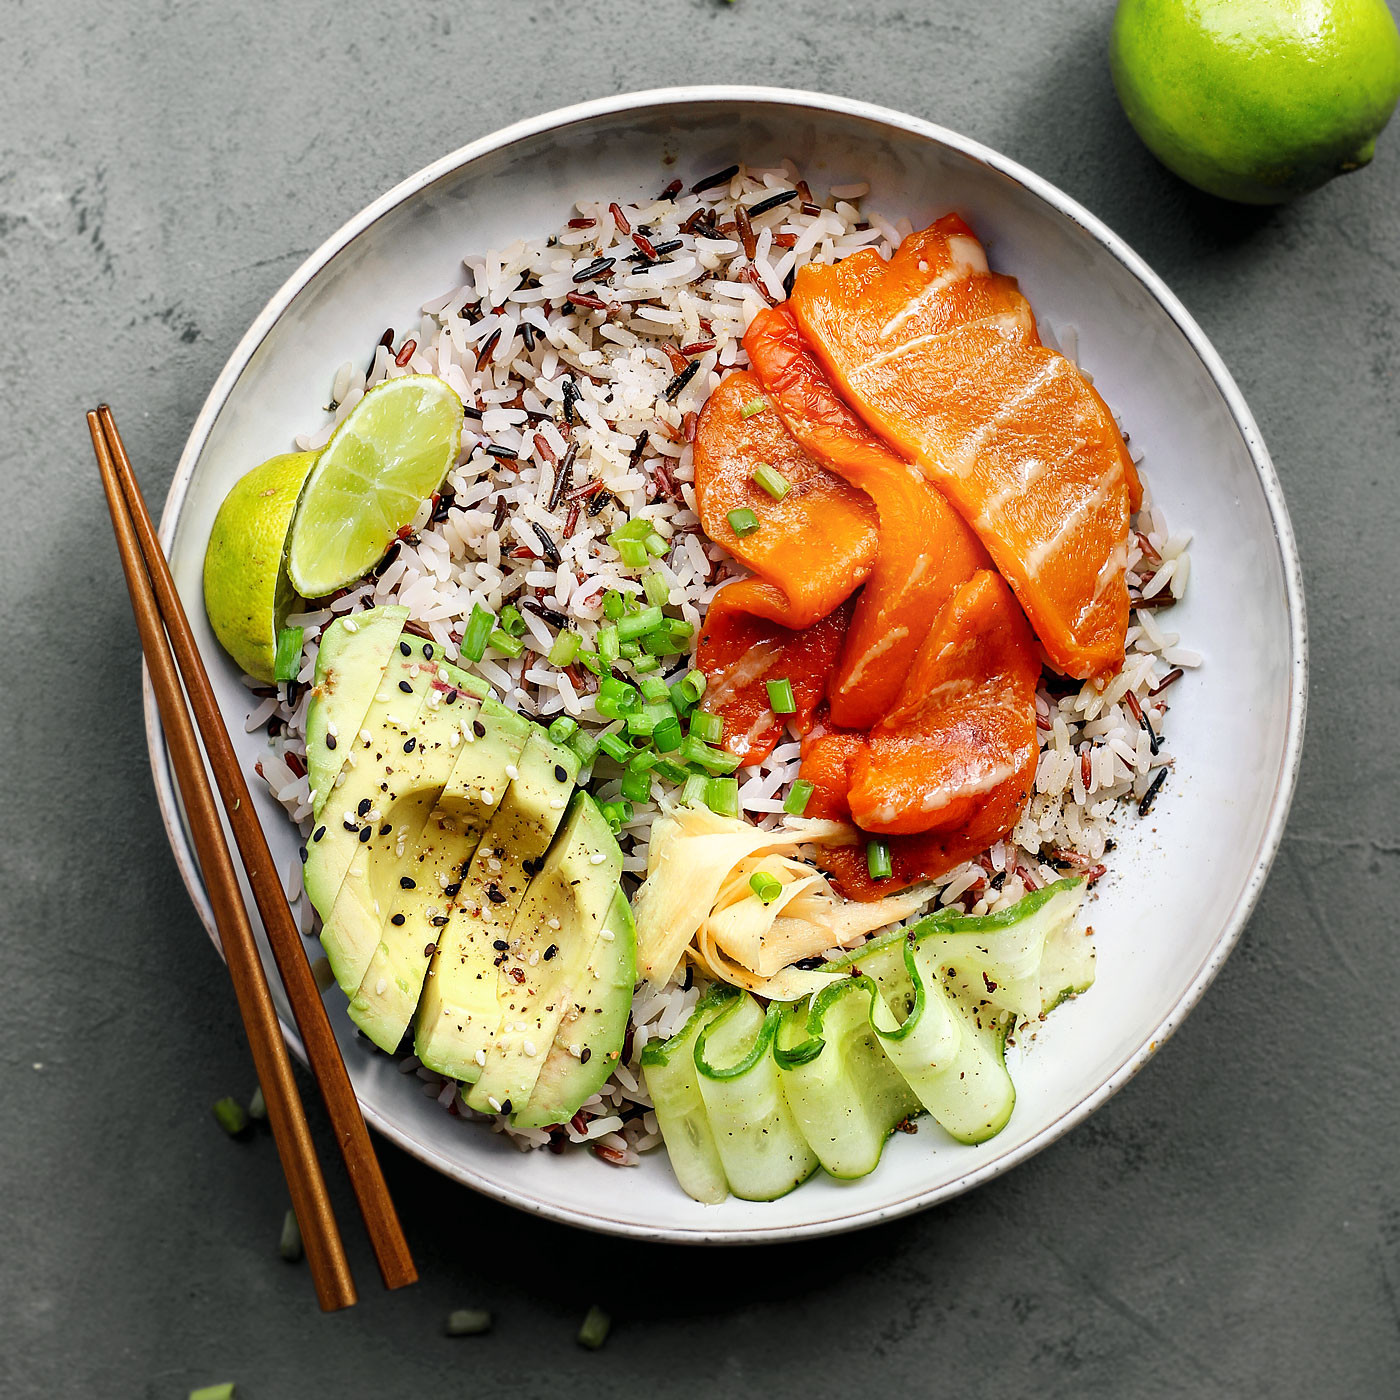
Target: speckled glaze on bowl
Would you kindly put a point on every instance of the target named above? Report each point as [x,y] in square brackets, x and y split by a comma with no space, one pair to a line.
[1182,883]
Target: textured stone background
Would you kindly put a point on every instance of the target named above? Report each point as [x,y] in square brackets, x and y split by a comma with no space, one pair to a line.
[1227,1227]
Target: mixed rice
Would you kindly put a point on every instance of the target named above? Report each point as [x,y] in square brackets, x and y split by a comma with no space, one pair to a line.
[583,359]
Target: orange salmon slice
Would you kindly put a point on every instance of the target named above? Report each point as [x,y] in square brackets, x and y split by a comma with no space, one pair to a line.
[817,544]
[924,550]
[940,356]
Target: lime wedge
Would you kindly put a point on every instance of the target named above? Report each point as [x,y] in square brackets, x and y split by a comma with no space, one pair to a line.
[388,456]
[246,592]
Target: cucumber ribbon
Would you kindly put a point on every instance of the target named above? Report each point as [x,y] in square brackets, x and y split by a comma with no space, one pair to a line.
[754,1101]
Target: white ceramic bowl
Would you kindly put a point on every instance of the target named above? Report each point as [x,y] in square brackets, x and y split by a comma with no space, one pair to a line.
[1182,882]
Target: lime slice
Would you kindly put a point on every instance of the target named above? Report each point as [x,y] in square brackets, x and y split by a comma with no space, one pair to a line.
[388,456]
[246,591]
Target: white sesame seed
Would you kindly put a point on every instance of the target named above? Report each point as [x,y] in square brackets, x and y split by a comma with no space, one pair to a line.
[597,858]
[332,730]
[556,804]
[534,957]
[512,772]
[606,935]
[494,1102]
[350,624]
[442,675]
[366,738]
[554,924]
[530,1048]
[380,987]
[481,1057]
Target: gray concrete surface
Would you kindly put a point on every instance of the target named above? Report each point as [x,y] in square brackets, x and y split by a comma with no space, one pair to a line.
[1227,1227]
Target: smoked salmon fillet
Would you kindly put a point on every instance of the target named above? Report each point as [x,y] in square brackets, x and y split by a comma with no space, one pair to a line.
[924,550]
[817,544]
[941,358]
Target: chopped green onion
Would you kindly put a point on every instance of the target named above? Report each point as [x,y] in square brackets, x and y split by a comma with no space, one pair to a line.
[257,1106]
[671,772]
[780,697]
[641,624]
[667,735]
[506,644]
[616,694]
[614,605]
[877,860]
[289,1246]
[565,648]
[593,662]
[287,660]
[767,887]
[654,690]
[563,729]
[616,814]
[232,1119]
[640,724]
[512,621]
[213,1392]
[703,756]
[773,482]
[633,553]
[644,761]
[585,746]
[467,1322]
[672,638]
[478,633]
[696,785]
[722,796]
[742,521]
[799,795]
[753,406]
[645,662]
[656,588]
[636,787]
[694,682]
[608,644]
[638,528]
[708,728]
[656,545]
[615,747]
[594,1331]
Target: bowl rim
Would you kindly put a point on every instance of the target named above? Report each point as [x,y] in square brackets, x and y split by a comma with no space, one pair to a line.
[1267,849]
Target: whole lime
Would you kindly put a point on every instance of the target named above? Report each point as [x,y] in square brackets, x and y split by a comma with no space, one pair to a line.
[1257,100]
[246,590]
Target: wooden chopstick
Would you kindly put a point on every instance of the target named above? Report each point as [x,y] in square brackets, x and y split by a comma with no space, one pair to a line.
[325,1253]
[386,1236]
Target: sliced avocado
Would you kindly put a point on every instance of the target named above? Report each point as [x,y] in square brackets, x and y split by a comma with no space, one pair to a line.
[432,878]
[459,1010]
[350,663]
[551,942]
[362,906]
[588,1043]
[376,765]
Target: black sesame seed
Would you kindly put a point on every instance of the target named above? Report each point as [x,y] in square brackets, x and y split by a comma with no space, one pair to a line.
[386,829]
[493,893]
[429,949]
[410,744]
[561,774]
[478,729]
[407,882]
[365,805]
[500,945]
[397,920]
[302,850]
[330,741]
[350,826]
[505,1107]
[405,649]
[366,832]
[453,890]
[439,920]
[585,1054]
[318,833]
[427,651]
[405,687]
[450,698]
[550,951]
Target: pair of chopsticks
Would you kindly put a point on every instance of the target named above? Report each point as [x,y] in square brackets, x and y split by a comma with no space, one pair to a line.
[161,621]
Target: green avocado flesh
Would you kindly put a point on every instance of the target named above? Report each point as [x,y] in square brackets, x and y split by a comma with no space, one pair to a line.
[450,899]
